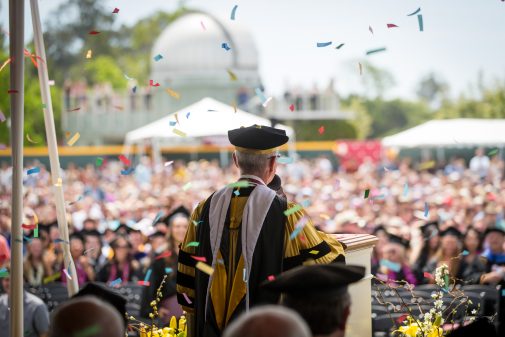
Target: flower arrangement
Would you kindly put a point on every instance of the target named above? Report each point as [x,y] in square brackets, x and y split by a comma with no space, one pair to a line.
[418,317]
[175,329]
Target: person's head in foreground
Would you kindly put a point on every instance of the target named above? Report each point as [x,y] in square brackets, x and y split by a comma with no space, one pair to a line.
[256,150]
[268,321]
[319,294]
[86,316]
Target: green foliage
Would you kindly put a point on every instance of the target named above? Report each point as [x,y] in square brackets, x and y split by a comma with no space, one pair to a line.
[103,69]
[333,129]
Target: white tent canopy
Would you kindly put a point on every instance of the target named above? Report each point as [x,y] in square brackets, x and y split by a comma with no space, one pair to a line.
[451,132]
[205,118]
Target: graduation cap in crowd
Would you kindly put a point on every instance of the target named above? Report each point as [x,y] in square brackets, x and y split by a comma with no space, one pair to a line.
[452,232]
[430,229]
[392,238]
[378,229]
[105,294]
[480,327]
[124,229]
[181,210]
[318,281]
[92,232]
[257,139]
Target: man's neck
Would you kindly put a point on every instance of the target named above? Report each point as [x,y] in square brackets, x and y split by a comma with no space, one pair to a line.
[252,176]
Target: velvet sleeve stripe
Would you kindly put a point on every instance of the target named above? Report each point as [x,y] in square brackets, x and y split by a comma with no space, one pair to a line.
[186,259]
[292,262]
[316,252]
[185,280]
[183,300]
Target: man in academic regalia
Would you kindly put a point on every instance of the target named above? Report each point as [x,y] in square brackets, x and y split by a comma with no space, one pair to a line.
[242,232]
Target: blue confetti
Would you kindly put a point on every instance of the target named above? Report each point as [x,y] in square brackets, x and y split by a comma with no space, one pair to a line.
[285,160]
[134,89]
[168,270]
[116,282]
[465,253]
[426,210]
[158,57]
[396,267]
[323,44]
[260,94]
[158,216]
[127,171]
[172,123]
[187,115]
[148,275]
[225,46]
[60,241]
[33,170]
[305,203]
[406,189]
[295,233]
[237,193]
[233,11]
[420,21]
[414,13]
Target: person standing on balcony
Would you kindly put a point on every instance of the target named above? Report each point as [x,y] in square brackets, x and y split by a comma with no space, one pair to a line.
[247,234]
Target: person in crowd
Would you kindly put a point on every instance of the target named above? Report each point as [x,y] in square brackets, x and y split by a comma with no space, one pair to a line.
[430,244]
[34,271]
[83,268]
[494,252]
[474,265]
[121,265]
[268,321]
[319,294]
[35,313]
[394,266]
[217,232]
[383,237]
[479,164]
[93,249]
[95,318]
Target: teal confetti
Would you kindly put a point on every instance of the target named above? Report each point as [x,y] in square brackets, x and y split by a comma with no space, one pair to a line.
[158,216]
[295,233]
[158,57]
[373,51]
[285,160]
[305,203]
[33,170]
[405,189]
[193,244]
[396,267]
[415,12]
[260,94]
[196,223]
[233,12]
[323,44]
[127,171]
[168,270]
[340,46]
[172,123]
[492,152]
[426,210]
[420,21]
[148,275]
[237,193]
[225,46]
[465,253]
[116,282]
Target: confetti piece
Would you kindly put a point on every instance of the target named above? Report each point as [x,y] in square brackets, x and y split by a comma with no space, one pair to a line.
[50,82]
[292,107]
[143,283]
[367,193]
[321,130]
[323,44]
[426,210]
[396,267]
[148,275]
[88,250]
[405,189]
[305,203]
[67,274]
[172,123]
[127,171]
[158,57]
[271,278]
[76,109]
[98,161]
[324,216]
[94,32]
[58,240]
[12,91]
[33,170]
[9,60]
[168,270]
[427,275]
[152,84]
[163,255]
[124,160]
[360,69]
[51,278]
[285,160]
[88,332]
[237,193]
[128,77]
[36,232]
[415,12]
[314,252]
[2,117]
[233,11]
[244,275]
[492,152]
[292,210]
[168,163]
[78,199]
[340,46]
[4,274]
[203,26]
[173,93]
[179,132]
[29,227]
[200,258]
[187,115]
[89,54]
[240,183]
[377,50]
[225,46]
[31,140]
[420,22]
[196,223]
[158,216]
[204,268]
[115,11]
[232,75]
[392,25]
[193,244]
[134,89]
[260,94]
[465,252]
[186,298]
[370,29]
[426,165]
[74,139]
[187,186]
[302,222]
[295,233]
[266,102]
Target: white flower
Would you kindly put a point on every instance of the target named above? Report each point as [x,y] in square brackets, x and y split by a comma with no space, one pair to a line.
[474,311]
[439,304]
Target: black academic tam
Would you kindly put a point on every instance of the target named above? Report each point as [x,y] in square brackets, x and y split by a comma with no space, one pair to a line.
[257,138]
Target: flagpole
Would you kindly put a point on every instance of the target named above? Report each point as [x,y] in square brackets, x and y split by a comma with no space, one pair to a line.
[52,145]
[16,38]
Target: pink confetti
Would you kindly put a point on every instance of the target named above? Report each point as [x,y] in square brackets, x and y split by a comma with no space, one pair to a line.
[203,26]
[392,25]
[115,11]
[292,107]
[67,274]
[2,117]
[271,278]
[152,84]
[125,160]
[200,258]
[186,298]
[321,130]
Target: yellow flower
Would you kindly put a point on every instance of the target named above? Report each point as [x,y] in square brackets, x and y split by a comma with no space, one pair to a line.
[435,332]
[173,322]
[409,330]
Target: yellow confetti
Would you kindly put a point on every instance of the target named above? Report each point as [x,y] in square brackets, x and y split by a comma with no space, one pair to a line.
[67,134]
[35,218]
[427,165]
[314,252]
[177,118]
[89,54]
[173,93]
[179,132]
[58,183]
[31,140]
[204,268]
[5,63]
[74,139]
[233,77]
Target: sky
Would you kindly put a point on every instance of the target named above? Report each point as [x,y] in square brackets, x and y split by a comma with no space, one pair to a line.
[461,39]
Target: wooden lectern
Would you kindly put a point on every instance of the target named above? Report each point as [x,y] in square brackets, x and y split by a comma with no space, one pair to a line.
[359,252]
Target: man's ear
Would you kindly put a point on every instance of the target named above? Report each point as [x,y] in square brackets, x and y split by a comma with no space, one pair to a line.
[235,160]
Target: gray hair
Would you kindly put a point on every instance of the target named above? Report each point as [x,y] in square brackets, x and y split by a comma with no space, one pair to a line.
[252,163]
[268,321]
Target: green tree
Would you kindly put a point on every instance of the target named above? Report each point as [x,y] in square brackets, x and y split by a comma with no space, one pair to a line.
[104,69]
[333,129]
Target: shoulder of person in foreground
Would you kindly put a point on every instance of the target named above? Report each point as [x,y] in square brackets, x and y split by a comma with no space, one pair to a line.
[303,242]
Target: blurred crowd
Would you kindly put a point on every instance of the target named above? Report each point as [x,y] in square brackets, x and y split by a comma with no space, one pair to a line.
[125,227]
